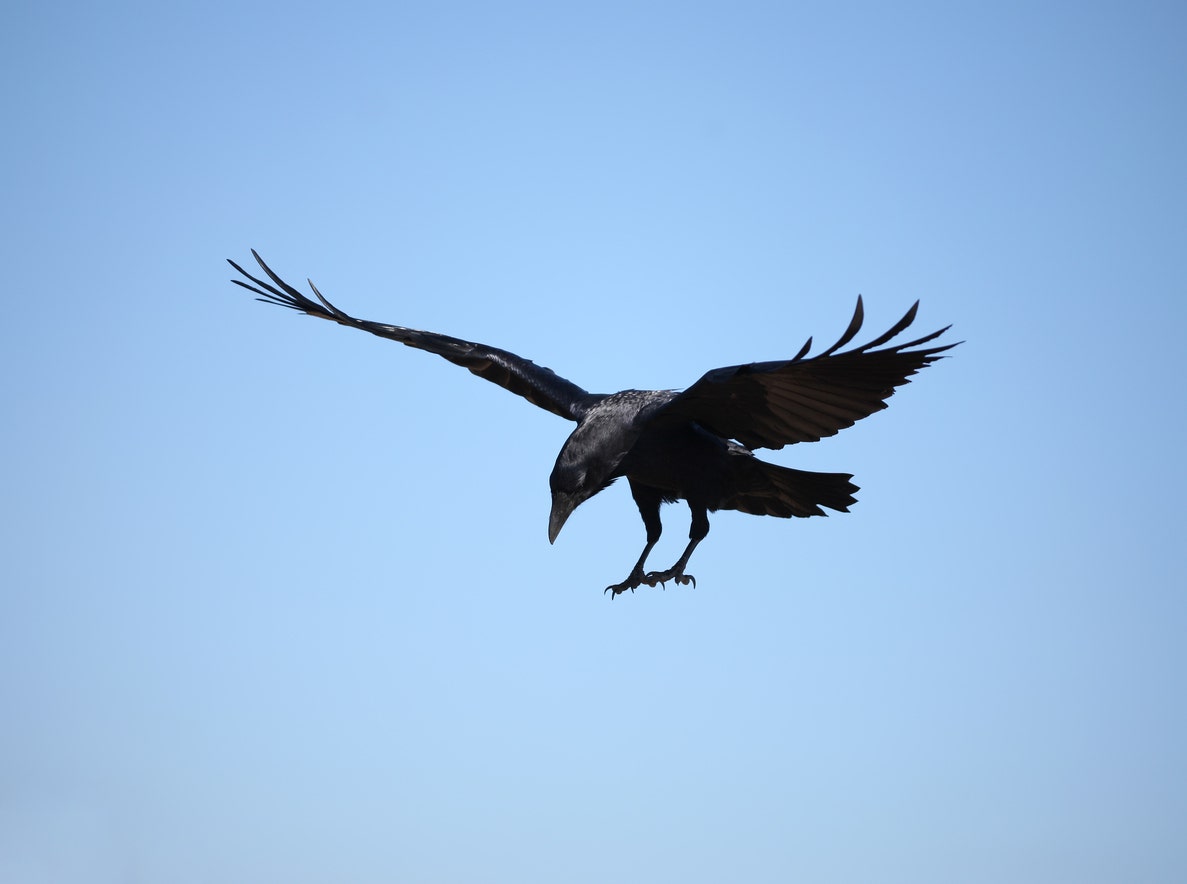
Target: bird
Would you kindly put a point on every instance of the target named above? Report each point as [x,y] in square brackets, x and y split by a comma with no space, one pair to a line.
[695,445]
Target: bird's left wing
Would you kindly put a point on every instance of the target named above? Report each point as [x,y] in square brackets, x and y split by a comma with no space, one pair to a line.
[540,386]
[803,399]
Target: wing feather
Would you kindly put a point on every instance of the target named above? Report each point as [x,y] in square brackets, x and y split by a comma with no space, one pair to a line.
[850,332]
[540,386]
[806,398]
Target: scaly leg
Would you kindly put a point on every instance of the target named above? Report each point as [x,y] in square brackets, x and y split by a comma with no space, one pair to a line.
[648,501]
[698,532]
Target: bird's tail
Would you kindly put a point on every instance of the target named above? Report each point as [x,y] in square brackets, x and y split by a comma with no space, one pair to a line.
[770,490]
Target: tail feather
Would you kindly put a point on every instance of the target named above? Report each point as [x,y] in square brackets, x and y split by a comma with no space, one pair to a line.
[772,490]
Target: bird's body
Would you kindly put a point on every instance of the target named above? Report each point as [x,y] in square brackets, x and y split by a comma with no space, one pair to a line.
[693,445]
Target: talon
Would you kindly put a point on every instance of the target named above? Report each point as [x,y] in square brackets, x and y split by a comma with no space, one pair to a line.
[652,578]
[618,588]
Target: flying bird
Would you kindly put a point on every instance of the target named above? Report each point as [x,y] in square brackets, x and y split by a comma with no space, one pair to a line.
[695,445]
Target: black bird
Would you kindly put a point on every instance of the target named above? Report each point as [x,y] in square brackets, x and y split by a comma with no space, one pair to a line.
[693,445]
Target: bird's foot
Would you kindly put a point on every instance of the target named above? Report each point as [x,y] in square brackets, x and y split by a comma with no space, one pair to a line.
[635,579]
[675,573]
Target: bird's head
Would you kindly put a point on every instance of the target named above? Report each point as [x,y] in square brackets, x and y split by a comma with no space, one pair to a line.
[579,474]
[570,489]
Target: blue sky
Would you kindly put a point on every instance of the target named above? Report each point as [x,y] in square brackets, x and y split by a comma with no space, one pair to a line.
[278,601]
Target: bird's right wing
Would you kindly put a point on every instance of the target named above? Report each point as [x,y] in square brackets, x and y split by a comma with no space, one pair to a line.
[540,386]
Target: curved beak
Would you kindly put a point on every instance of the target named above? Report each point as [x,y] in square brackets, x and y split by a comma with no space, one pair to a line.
[562,506]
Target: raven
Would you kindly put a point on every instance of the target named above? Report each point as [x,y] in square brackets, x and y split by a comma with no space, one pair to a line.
[694,445]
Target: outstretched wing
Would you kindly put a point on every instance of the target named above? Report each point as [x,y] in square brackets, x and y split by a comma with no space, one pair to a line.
[540,386]
[803,399]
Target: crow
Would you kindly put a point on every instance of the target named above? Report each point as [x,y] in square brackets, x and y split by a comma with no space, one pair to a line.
[694,445]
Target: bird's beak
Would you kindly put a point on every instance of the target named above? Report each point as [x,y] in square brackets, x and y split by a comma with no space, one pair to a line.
[562,506]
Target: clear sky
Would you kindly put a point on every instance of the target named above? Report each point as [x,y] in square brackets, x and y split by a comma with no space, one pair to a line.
[276,598]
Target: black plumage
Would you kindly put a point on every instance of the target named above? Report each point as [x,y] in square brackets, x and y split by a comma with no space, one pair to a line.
[693,445]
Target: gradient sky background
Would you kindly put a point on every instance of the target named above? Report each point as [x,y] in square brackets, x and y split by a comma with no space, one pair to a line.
[276,597]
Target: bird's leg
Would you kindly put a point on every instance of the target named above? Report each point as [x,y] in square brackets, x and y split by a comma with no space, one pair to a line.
[698,532]
[648,502]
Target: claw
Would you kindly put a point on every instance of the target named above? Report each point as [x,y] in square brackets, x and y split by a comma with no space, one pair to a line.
[662,578]
[652,578]
[635,578]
